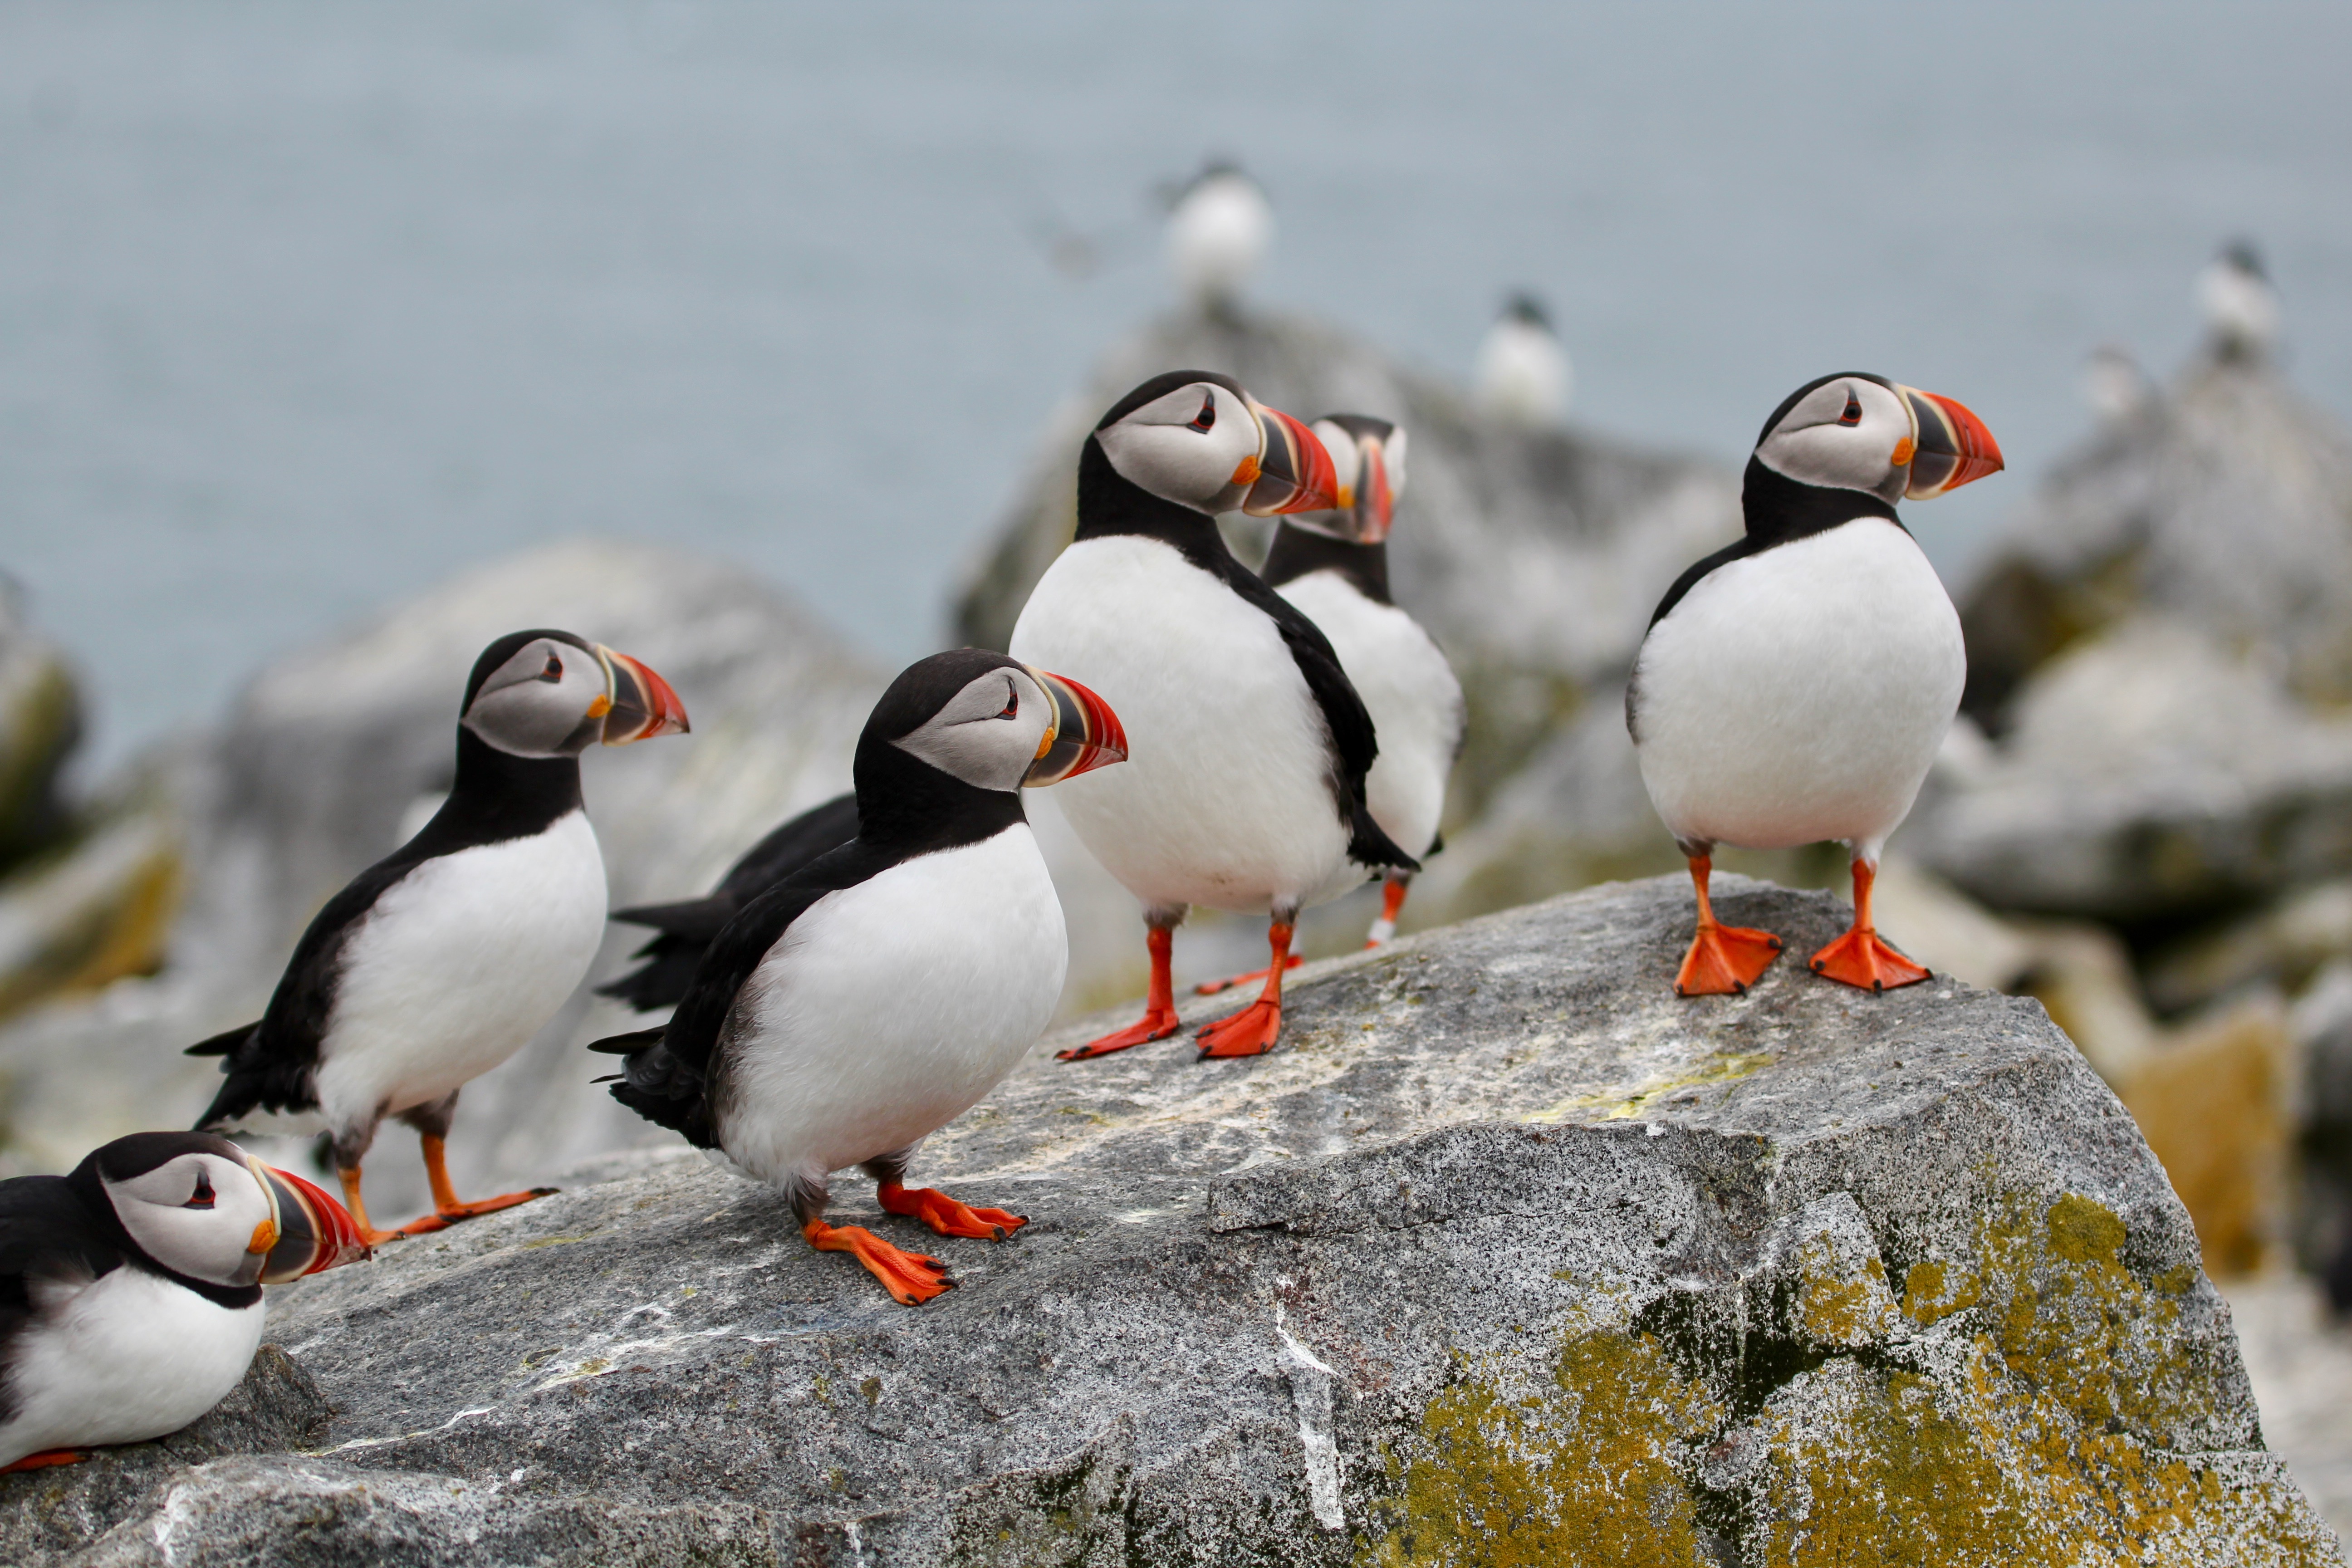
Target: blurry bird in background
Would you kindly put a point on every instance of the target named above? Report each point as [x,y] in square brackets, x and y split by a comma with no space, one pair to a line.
[2113,385]
[1219,227]
[2242,307]
[1523,376]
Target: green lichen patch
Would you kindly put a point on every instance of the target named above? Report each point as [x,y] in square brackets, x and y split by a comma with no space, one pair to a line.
[1723,1067]
[1583,1470]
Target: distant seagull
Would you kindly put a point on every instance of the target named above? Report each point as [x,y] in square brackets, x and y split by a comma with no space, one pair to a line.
[1219,227]
[2241,306]
[2113,385]
[1523,374]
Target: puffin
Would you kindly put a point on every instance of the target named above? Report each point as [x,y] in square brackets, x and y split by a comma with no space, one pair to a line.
[686,927]
[1334,565]
[442,959]
[1219,225]
[1245,790]
[130,1294]
[876,994]
[1795,685]
[1523,376]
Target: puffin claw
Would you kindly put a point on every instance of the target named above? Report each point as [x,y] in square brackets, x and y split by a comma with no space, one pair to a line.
[1158,1024]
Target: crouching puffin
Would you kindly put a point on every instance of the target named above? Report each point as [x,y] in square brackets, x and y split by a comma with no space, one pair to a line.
[1795,686]
[876,994]
[442,959]
[1335,566]
[685,929]
[131,1290]
[1246,788]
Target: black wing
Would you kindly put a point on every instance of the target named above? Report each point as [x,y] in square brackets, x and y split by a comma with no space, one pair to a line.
[44,1234]
[688,928]
[1354,743]
[665,1074]
[271,1065]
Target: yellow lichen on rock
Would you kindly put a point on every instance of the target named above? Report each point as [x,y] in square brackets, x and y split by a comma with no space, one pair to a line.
[1581,1471]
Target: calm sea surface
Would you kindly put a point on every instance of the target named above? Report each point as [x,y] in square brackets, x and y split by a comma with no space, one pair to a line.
[304,306]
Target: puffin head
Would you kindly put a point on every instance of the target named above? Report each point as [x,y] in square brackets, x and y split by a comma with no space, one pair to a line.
[1858,432]
[997,724]
[548,694]
[1196,438]
[1368,462]
[199,1206]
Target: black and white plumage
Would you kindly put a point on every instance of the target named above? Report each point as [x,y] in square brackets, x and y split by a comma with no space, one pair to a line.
[131,1294]
[1334,566]
[442,959]
[1795,686]
[876,994]
[687,927]
[1246,790]
[1523,376]
[1219,227]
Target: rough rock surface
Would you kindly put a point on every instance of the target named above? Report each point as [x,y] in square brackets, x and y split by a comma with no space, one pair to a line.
[335,754]
[1508,1256]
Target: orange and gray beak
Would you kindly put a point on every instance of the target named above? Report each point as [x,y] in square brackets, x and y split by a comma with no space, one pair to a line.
[1951,445]
[306,1230]
[1293,472]
[641,703]
[1085,734]
[1374,503]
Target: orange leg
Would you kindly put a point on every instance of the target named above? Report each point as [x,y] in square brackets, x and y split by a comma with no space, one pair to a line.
[358,1207]
[1722,960]
[946,1215]
[909,1276]
[1392,893]
[1252,1031]
[1859,958]
[46,1458]
[1158,1007]
[1210,987]
[448,1208]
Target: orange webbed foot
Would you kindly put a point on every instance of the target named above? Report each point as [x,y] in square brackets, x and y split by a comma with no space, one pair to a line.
[946,1215]
[46,1458]
[443,1219]
[1251,1032]
[1725,960]
[1158,1024]
[1210,987]
[1860,959]
[911,1278]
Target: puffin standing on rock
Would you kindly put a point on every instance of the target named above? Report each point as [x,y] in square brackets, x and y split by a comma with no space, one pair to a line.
[1246,787]
[131,1293]
[442,959]
[876,994]
[1335,566]
[1795,686]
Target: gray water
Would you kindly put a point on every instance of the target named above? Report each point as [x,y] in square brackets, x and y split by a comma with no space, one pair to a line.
[304,306]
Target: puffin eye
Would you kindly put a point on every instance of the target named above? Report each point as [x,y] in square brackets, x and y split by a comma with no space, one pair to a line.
[203,1196]
[554,670]
[1853,415]
[1011,701]
[1207,418]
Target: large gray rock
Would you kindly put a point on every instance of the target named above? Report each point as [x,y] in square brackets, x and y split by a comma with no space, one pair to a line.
[1508,1256]
[334,753]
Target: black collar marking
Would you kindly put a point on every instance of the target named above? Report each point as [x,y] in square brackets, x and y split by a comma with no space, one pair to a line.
[1299,550]
[496,796]
[1779,510]
[1110,504]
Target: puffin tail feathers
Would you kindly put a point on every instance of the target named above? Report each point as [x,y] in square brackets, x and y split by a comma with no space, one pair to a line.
[662,1088]
[225,1043]
[1371,848]
[661,981]
[697,920]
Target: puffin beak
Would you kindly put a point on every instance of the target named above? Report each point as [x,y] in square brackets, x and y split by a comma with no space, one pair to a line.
[1085,734]
[1375,501]
[1295,473]
[308,1230]
[639,703]
[1953,446]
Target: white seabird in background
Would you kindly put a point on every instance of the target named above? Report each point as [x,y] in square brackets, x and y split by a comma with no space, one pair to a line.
[1219,225]
[2241,306]
[1523,374]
